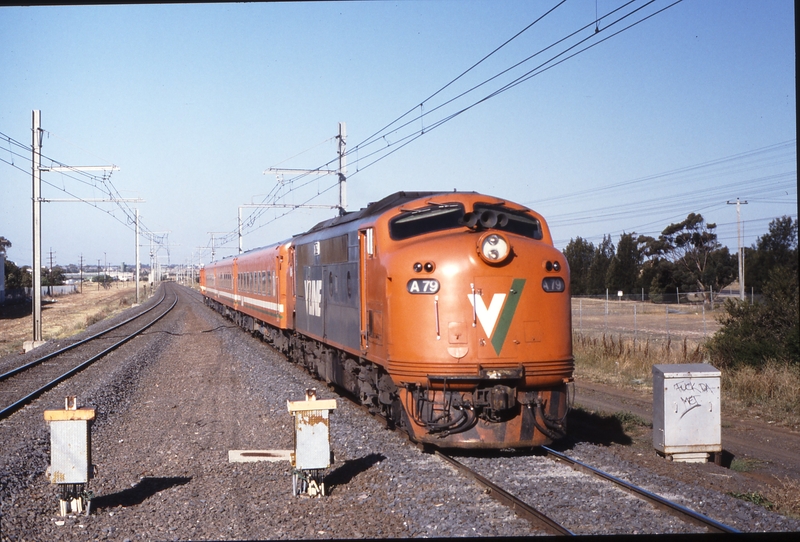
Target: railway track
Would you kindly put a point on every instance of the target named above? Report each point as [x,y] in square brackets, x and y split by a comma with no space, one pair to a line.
[23,384]
[551,526]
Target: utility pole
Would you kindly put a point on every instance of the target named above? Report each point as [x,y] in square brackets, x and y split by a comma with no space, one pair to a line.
[342,168]
[213,246]
[50,273]
[36,162]
[153,253]
[740,242]
[200,251]
[37,227]
[136,228]
[341,173]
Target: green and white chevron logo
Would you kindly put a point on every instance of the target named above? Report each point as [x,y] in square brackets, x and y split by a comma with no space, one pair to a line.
[496,318]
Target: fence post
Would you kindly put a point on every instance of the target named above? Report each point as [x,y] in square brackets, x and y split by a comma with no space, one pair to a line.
[635,328]
[704,321]
[666,306]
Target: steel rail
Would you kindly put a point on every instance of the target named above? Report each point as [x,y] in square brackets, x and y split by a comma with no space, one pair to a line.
[4,413]
[656,500]
[37,361]
[521,508]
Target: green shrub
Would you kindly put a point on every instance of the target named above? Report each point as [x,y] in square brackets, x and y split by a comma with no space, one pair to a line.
[751,333]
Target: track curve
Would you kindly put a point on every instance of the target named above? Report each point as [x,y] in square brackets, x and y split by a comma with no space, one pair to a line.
[27,382]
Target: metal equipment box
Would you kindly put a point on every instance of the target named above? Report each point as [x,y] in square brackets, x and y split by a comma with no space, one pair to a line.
[312,448]
[686,411]
[70,445]
[312,443]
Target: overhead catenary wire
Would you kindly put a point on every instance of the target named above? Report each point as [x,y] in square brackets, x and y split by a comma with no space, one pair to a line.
[433,114]
[698,188]
[101,183]
[541,68]
[404,140]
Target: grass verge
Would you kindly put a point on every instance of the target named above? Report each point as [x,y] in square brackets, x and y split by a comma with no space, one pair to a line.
[767,392]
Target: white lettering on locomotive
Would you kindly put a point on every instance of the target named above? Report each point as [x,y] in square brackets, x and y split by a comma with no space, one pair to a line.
[422,286]
[487,317]
[313,297]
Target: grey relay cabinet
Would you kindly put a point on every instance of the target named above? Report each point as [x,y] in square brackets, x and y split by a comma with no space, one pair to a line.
[71,454]
[312,443]
[686,411]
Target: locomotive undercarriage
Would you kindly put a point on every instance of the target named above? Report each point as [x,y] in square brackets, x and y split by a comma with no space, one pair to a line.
[362,379]
[488,409]
[447,413]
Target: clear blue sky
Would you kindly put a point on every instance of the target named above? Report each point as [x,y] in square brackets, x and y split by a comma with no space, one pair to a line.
[683,112]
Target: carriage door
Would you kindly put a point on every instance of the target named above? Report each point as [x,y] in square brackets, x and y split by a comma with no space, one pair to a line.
[366,244]
[274,289]
[291,288]
[235,283]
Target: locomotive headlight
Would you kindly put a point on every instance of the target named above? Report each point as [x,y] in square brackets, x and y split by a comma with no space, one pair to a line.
[493,248]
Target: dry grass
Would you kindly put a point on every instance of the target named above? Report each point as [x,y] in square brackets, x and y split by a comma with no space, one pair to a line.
[786,497]
[771,391]
[782,497]
[625,362]
[103,311]
[70,314]
[767,392]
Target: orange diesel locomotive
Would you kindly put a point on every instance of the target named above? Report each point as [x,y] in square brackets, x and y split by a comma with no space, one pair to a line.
[446,312]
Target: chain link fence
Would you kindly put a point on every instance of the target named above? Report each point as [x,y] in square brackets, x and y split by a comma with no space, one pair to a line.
[628,318]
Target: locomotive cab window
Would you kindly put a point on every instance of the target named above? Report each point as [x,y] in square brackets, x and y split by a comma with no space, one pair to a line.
[426,220]
[452,215]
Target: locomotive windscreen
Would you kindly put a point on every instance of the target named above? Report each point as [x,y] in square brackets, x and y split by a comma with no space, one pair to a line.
[426,220]
[452,215]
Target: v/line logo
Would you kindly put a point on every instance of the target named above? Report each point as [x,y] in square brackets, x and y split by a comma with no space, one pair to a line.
[497,317]
[313,291]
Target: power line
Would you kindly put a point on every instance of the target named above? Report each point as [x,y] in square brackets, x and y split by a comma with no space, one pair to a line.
[387,130]
[525,77]
[100,183]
